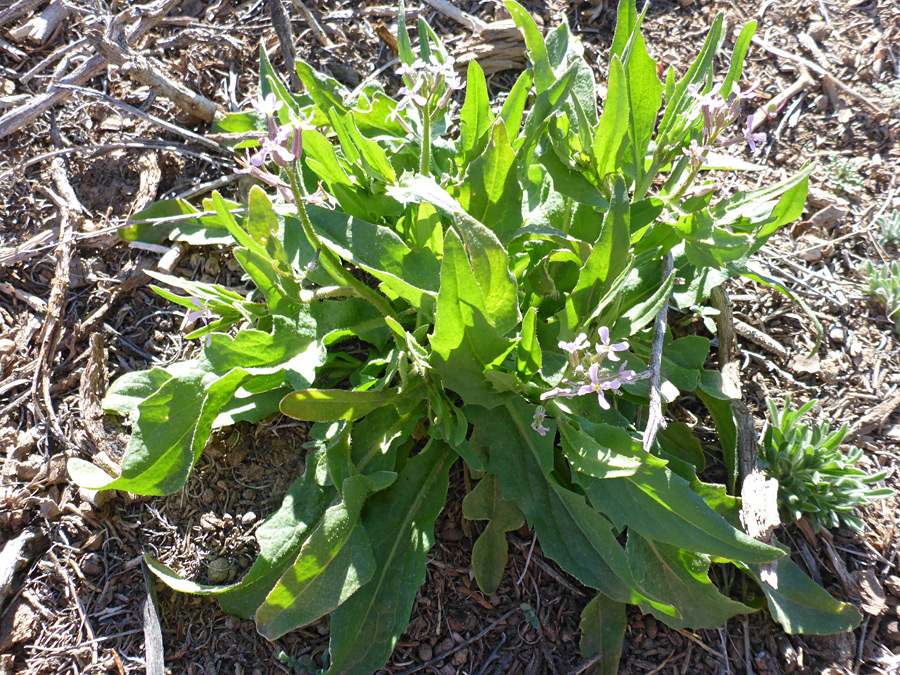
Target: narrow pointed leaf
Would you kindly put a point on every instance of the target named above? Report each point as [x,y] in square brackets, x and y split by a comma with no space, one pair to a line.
[800,605]
[661,506]
[682,579]
[400,525]
[334,562]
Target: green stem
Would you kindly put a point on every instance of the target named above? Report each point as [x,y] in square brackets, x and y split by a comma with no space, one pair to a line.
[330,262]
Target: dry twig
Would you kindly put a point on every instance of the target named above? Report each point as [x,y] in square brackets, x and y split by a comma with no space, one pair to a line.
[148,16]
[655,420]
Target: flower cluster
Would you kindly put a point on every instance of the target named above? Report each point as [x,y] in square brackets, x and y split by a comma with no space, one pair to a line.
[591,375]
[719,113]
[427,87]
[281,145]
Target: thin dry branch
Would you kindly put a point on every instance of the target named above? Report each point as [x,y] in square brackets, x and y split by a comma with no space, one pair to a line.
[18,9]
[819,70]
[282,24]
[147,16]
[473,24]
[655,420]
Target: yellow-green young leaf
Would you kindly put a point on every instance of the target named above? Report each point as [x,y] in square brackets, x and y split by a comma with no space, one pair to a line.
[334,562]
[741,45]
[602,627]
[373,155]
[328,93]
[682,579]
[330,405]
[319,155]
[413,275]
[400,524]
[537,50]
[677,101]
[514,105]
[489,554]
[262,223]
[490,191]
[799,604]
[403,46]
[644,99]
[614,458]
[464,342]
[475,118]
[609,257]
[227,219]
[528,351]
[612,129]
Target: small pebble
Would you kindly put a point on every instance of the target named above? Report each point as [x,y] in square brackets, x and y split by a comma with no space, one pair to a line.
[444,646]
[460,657]
[248,519]
[7,347]
[92,565]
[425,652]
[208,497]
[892,631]
[218,570]
[892,584]
[819,30]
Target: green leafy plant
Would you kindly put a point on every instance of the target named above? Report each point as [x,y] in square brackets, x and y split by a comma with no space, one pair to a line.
[890,91]
[890,227]
[815,478]
[884,286]
[489,289]
[843,174]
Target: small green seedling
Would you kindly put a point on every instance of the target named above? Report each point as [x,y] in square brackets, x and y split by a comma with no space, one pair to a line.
[815,477]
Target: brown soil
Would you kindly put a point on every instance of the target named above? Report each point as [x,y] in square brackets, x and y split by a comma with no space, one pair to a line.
[76,604]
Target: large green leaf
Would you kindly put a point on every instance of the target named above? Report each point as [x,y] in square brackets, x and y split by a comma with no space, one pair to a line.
[661,506]
[537,49]
[799,604]
[169,433]
[464,342]
[334,562]
[644,92]
[570,531]
[608,259]
[681,579]
[489,190]
[400,525]
[612,129]
[260,349]
[609,452]
[488,256]
[413,275]
[126,393]
[603,624]
[475,117]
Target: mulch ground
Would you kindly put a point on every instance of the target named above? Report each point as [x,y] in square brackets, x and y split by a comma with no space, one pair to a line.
[76,311]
